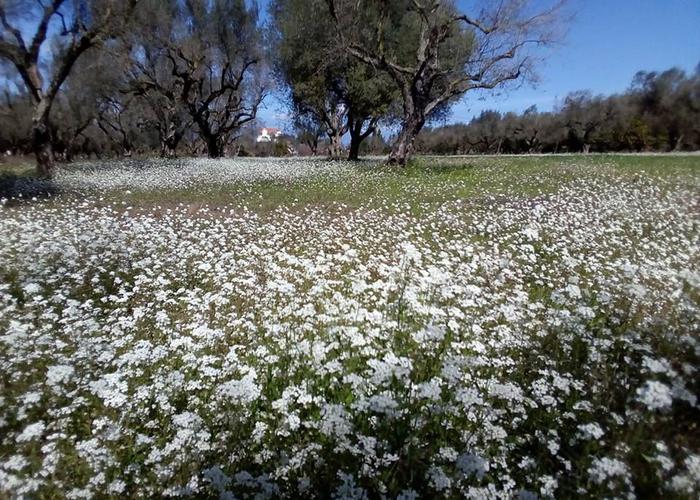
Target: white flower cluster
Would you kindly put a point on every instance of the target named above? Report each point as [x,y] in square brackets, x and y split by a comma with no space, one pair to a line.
[481,347]
[181,174]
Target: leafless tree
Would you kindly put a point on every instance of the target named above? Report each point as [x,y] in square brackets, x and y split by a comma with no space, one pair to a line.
[116,119]
[149,77]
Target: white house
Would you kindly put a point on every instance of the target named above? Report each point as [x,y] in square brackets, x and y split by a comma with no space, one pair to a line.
[268,134]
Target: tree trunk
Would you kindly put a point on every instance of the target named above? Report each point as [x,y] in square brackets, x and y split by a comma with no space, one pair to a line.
[213,146]
[335,148]
[678,143]
[70,149]
[170,151]
[313,146]
[41,140]
[168,145]
[403,147]
[357,135]
[354,153]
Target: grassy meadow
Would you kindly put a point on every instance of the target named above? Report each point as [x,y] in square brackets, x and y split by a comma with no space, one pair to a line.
[479,327]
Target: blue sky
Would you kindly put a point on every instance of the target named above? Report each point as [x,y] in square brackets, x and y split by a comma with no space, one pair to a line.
[608,41]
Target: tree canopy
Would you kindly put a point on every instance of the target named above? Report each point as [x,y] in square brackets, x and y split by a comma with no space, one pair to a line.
[168,77]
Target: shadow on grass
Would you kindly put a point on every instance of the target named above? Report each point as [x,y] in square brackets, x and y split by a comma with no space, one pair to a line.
[16,188]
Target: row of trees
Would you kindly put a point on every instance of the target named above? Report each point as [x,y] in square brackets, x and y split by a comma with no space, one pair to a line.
[114,76]
[659,112]
[133,74]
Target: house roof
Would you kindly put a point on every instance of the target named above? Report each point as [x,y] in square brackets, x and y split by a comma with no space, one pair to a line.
[270,130]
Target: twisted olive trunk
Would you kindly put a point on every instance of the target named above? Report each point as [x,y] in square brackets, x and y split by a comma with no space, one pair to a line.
[213,146]
[41,139]
[211,138]
[169,143]
[403,147]
[354,151]
[357,135]
[335,148]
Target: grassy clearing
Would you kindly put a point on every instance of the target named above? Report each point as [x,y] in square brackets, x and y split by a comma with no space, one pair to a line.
[426,180]
[426,183]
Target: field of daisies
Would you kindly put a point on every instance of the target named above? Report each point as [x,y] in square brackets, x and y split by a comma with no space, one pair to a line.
[250,328]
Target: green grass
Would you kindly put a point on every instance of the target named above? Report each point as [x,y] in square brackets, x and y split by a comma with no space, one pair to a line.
[429,181]
[21,166]
[424,184]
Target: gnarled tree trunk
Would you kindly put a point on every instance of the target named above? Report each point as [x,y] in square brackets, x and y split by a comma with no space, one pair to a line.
[211,138]
[335,146]
[357,135]
[213,146]
[41,139]
[403,147]
[336,124]
[168,144]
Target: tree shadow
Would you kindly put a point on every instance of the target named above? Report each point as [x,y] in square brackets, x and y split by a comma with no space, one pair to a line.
[17,188]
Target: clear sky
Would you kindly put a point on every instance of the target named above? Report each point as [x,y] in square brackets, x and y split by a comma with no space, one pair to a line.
[608,41]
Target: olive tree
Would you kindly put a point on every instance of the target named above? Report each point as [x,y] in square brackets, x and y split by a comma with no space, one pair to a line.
[670,103]
[434,53]
[214,49]
[148,75]
[325,84]
[15,122]
[583,115]
[66,28]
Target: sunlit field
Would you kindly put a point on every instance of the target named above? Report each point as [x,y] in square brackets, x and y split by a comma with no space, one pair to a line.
[464,327]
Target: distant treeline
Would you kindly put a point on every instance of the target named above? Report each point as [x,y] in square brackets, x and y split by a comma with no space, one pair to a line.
[659,112]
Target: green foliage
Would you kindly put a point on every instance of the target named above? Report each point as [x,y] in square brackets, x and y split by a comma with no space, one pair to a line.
[320,76]
[280,148]
[392,29]
[660,112]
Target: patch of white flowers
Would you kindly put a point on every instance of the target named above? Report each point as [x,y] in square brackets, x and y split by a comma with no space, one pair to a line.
[482,347]
[178,174]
